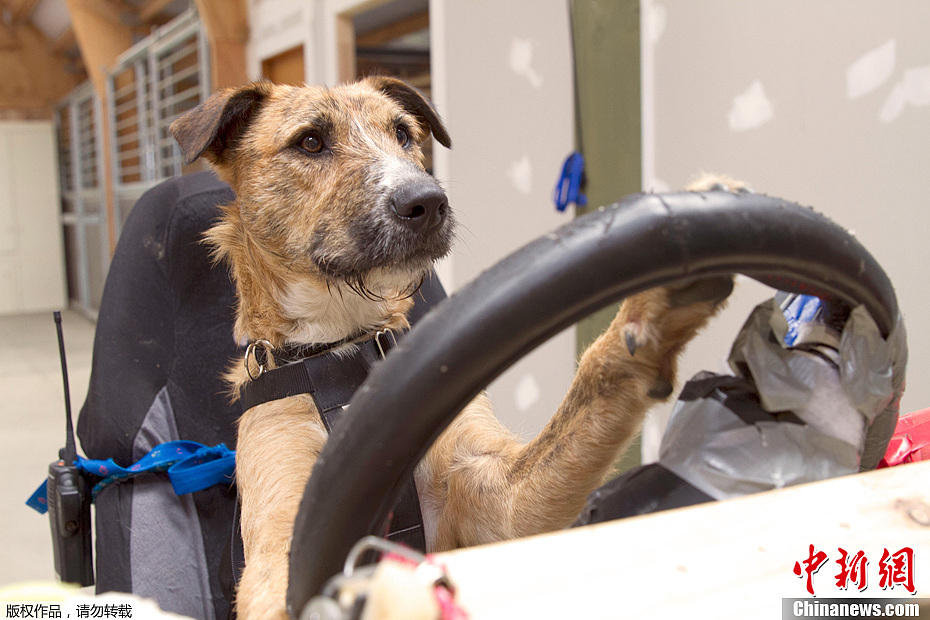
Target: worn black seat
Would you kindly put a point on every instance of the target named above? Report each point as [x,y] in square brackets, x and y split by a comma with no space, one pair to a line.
[163,339]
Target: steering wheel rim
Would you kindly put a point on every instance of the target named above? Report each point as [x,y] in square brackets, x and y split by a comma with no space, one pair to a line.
[645,240]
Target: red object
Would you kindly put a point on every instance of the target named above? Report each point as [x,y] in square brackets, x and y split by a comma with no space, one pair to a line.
[911,440]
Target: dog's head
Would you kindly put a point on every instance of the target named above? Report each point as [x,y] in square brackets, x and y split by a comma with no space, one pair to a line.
[330,182]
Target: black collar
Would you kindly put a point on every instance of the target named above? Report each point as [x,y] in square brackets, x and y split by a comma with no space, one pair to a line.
[329,373]
[290,353]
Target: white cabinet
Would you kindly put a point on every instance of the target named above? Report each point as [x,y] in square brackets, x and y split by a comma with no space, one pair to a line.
[31,259]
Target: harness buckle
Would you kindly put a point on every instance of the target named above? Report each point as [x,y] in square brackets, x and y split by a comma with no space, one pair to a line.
[381,348]
[252,351]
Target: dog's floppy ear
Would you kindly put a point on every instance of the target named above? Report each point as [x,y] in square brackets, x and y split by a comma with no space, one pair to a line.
[413,102]
[217,124]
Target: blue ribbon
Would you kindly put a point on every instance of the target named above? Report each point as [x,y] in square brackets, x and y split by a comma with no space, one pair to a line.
[191,466]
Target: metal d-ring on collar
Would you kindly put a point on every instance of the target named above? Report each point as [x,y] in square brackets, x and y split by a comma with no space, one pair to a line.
[384,340]
[384,333]
[251,351]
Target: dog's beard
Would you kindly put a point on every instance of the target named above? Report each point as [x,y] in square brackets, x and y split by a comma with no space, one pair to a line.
[360,284]
[385,261]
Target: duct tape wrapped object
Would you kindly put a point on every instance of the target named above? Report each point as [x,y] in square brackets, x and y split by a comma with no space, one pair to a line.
[824,405]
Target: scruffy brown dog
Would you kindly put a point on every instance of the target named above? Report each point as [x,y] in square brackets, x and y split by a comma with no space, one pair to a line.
[335,222]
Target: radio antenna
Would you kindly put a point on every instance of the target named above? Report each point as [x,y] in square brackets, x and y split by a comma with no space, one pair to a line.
[69,453]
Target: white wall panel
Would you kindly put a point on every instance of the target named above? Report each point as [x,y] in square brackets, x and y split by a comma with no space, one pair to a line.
[32,276]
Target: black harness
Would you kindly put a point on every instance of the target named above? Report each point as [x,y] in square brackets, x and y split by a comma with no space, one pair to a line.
[331,375]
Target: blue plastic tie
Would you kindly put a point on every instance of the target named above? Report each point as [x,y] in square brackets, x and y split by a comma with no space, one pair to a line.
[191,466]
[568,187]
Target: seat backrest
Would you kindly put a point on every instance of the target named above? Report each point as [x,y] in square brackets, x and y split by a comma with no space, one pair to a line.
[163,340]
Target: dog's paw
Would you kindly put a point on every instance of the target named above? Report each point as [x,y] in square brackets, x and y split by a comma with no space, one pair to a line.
[655,325]
[638,318]
[653,317]
[713,290]
[718,182]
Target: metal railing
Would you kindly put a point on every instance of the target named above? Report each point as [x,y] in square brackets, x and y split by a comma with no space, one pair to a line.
[152,83]
[79,125]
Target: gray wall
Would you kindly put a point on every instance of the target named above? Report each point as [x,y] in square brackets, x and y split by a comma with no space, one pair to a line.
[502,80]
[823,102]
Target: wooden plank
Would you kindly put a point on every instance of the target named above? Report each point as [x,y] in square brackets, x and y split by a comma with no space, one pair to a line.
[8,40]
[152,9]
[15,87]
[104,9]
[225,19]
[34,77]
[732,559]
[101,39]
[65,41]
[286,67]
[345,48]
[22,9]
[47,73]
[227,26]
[394,30]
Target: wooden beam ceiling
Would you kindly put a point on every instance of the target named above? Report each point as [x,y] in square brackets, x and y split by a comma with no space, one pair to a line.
[101,35]
[22,9]
[35,76]
[227,26]
[394,30]
[38,71]
[65,42]
[152,9]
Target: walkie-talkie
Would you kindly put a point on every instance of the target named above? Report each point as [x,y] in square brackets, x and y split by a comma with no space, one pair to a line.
[69,500]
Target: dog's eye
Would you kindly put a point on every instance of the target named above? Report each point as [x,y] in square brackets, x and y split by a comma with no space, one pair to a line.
[402,135]
[312,143]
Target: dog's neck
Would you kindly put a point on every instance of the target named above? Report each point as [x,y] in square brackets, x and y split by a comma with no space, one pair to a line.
[286,308]
[325,314]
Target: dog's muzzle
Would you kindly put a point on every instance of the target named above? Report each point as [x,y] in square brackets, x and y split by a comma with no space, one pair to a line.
[422,206]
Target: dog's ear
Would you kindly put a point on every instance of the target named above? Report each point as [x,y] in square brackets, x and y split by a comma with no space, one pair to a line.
[413,102]
[217,124]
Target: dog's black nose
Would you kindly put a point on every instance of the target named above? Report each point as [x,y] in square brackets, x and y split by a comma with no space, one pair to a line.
[420,206]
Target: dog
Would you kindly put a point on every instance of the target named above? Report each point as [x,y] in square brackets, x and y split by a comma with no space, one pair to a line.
[334,224]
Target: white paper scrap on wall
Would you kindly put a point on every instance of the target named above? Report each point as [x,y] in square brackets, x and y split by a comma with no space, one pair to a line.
[894,103]
[913,89]
[521,61]
[871,70]
[751,109]
[527,392]
[917,86]
[521,174]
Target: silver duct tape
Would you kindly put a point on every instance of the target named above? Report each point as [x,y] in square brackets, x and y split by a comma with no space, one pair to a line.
[872,372]
[717,452]
[844,403]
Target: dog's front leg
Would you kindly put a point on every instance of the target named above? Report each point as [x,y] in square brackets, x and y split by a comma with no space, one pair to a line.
[277,445]
[485,486]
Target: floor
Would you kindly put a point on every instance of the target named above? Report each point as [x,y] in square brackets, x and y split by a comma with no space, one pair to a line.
[32,429]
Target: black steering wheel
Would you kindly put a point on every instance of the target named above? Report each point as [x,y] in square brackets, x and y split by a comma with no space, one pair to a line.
[468,340]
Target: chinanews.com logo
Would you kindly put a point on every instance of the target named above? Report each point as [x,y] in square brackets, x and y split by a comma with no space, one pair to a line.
[855,572]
